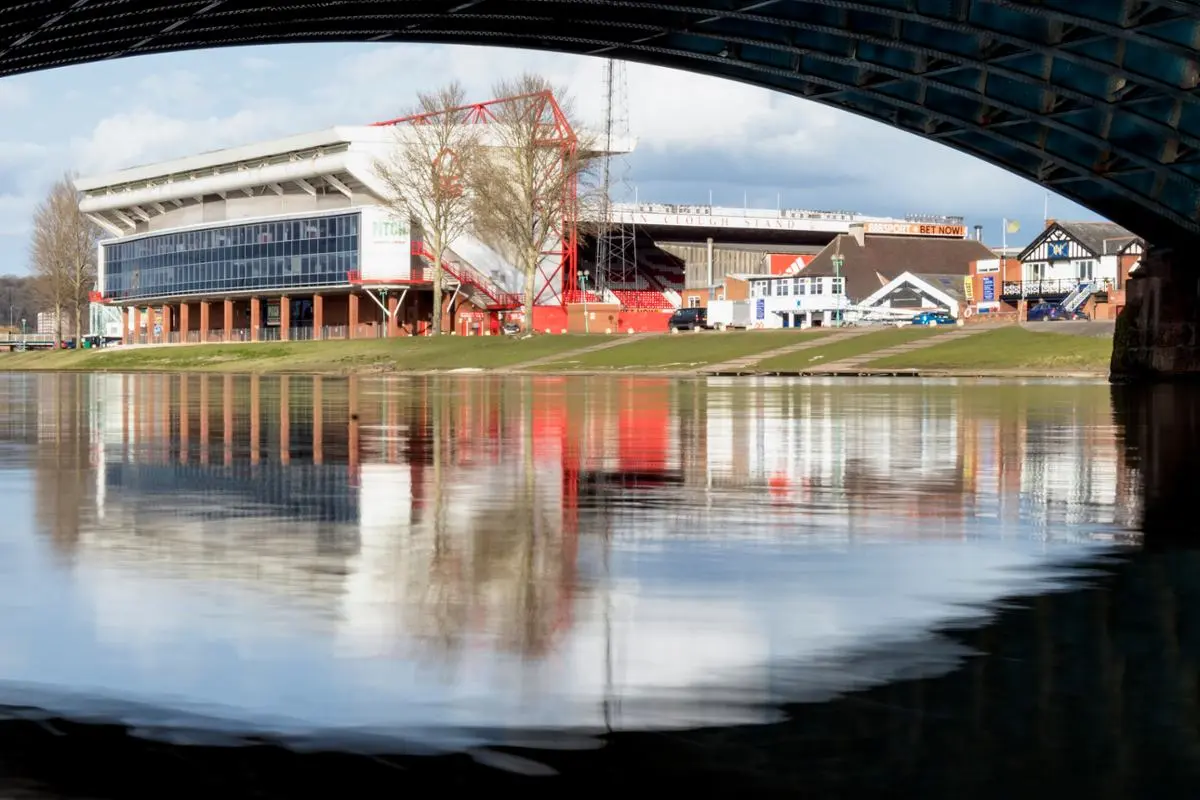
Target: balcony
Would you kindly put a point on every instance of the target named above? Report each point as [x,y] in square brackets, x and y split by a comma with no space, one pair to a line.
[1031,290]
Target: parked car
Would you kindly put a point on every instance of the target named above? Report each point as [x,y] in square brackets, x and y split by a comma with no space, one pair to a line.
[934,318]
[688,319]
[1049,312]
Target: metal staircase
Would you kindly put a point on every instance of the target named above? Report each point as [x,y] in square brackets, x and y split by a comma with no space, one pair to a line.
[1079,295]
[472,284]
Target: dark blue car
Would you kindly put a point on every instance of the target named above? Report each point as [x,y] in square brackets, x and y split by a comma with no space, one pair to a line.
[1049,312]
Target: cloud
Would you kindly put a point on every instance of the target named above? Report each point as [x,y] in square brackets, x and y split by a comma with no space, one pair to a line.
[13,95]
[695,133]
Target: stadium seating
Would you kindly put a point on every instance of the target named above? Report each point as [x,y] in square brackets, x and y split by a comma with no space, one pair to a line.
[652,283]
[643,300]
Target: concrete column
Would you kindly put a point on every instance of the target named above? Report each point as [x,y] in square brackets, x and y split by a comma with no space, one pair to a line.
[285,318]
[393,320]
[127,325]
[165,313]
[255,417]
[1156,335]
[185,321]
[227,418]
[353,315]
[204,324]
[318,316]
[228,320]
[185,422]
[150,325]
[285,419]
[318,425]
[205,402]
[255,318]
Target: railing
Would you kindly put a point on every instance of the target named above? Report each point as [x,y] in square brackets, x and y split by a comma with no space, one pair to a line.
[467,275]
[1044,288]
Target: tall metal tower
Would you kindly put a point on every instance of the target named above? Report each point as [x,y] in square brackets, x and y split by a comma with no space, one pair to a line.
[616,245]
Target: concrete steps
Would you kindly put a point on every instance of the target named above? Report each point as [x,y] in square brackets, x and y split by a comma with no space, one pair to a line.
[744,365]
[859,362]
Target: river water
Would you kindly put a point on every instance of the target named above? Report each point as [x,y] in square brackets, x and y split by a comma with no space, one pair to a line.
[485,565]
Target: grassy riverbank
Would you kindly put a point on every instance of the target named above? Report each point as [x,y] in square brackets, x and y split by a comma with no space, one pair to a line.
[1009,348]
[1004,350]
[334,357]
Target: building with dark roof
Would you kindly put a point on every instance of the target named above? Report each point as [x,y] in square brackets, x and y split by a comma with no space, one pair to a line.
[871,261]
[915,292]
[1082,264]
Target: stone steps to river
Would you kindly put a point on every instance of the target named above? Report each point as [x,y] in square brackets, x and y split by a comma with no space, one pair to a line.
[744,364]
[853,363]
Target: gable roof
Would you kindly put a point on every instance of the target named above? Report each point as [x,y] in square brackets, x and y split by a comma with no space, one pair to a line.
[1098,238]
[949,285]
[882,258]
[944,287]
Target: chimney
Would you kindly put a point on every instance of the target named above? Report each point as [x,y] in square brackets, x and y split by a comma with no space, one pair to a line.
[979,233]
[1051,223]
[857,231]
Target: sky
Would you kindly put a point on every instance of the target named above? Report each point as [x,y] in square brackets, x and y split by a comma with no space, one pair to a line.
[695,134]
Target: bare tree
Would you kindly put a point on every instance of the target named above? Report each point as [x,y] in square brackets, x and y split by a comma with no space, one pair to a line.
[525,189]
[63,252]
[437,146]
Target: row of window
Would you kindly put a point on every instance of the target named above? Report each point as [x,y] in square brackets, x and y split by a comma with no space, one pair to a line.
[149,267]
[786,287]
[293,230]
[1085,270]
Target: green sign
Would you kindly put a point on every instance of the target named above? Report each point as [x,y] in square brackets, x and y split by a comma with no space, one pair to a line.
[388,229]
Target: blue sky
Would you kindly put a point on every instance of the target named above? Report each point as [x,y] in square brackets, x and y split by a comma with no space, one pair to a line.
[696,134]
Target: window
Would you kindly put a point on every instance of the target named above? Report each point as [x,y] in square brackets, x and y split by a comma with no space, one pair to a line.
[758,288]
[693,301]
[256,256]
[818,285]
[839,286]
[802,285]
[783,288]
[1085,270]
[1035,271]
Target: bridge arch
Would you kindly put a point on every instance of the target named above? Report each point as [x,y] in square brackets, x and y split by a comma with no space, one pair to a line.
[1096,101]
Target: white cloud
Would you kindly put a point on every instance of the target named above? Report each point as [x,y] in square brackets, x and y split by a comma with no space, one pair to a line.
[695,133]
[13,95]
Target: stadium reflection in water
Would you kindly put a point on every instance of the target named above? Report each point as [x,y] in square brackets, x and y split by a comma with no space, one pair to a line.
[444,560]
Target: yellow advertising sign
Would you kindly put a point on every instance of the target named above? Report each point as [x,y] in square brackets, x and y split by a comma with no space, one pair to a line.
[969,288]
[916,229]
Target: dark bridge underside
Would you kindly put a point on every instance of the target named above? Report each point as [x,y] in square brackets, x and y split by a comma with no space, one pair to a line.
[1094,99]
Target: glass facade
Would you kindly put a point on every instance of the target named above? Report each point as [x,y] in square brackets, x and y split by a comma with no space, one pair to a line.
[256,256]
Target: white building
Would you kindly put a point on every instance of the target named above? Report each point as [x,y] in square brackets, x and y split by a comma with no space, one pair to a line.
[284,238]
[1075,258]
[911,293]
[784,301]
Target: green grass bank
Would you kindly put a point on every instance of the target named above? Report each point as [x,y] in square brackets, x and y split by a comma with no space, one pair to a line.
[1001,351]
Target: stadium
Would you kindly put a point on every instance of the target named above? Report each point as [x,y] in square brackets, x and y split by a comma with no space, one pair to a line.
[296,238]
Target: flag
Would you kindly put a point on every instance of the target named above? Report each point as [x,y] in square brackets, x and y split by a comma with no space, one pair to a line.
[1012,225]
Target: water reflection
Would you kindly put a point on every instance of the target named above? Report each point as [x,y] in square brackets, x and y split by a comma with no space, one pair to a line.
[437,558]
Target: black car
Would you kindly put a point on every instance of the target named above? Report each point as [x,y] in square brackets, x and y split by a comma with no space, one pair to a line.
[688,319]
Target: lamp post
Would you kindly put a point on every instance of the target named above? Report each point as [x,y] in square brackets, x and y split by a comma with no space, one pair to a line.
[583,276]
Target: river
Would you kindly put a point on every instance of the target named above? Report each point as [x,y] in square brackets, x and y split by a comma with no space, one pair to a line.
[535,574]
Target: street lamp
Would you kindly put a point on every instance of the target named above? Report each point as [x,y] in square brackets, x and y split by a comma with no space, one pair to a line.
[583,276]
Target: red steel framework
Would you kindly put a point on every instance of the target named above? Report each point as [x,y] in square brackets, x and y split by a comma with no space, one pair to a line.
[556,132]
